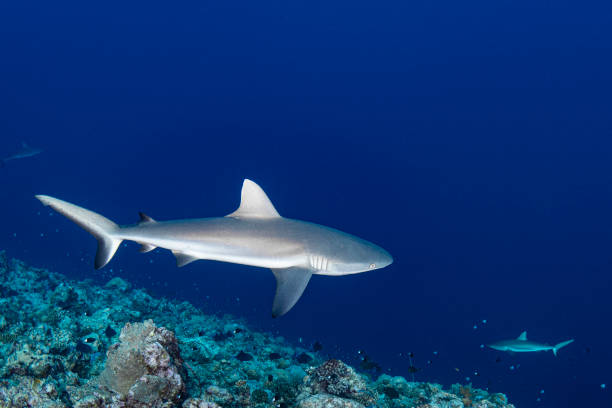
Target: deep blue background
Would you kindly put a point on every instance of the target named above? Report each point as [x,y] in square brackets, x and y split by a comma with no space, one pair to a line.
[470,139]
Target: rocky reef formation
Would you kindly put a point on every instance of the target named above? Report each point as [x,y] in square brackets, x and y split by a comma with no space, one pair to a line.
[74,344]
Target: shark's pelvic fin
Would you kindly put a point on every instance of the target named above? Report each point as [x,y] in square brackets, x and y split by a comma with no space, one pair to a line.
[290,284]
[183,259]
[561,345]
[254,203]
[522,336]
[103,229]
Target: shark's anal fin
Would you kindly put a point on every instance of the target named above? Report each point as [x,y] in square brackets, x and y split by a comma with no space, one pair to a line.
[146,248]
[290,284]
[254,203]
[183,259]
[522,336]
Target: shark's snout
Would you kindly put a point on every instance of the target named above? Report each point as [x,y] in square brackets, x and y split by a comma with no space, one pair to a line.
[389,259]
[384,259]
[378,258]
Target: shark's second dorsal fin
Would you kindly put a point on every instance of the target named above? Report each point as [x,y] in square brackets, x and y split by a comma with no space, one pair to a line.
[145,219]
[254,203]
[522,336]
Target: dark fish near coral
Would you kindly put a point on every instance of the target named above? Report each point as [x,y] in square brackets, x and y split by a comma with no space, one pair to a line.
[242,356]
[274,356]
[83,348]
[391,392]
[368,365]
[109,332]
[317,346]
[7,292]
[303,358]
[221,336]
[412,369]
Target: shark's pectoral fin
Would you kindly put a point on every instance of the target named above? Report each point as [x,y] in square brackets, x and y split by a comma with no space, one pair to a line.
[290,284]
[183,259]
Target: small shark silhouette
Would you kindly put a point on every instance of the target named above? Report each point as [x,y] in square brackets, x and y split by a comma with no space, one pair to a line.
[255,234]
[522,345]
[26,151]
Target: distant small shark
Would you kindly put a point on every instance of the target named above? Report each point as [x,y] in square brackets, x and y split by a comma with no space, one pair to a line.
[25,151]
[522,345]
[255,234]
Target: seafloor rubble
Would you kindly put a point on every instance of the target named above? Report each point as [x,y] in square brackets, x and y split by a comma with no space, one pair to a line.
[73,344]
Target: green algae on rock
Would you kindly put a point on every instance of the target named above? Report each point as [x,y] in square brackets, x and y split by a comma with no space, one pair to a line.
[74,344]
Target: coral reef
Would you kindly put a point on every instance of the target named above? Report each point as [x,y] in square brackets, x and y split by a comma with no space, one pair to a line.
[70,344]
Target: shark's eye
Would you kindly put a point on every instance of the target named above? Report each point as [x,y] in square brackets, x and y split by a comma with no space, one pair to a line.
[372,266]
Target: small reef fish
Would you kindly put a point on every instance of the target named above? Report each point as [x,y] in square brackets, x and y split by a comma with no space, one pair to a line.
[522,345]
[369,365]
[242,356]
[274,356]
[255,234]
[303,358]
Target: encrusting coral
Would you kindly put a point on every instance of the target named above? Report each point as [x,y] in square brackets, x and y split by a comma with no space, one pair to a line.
[74,344]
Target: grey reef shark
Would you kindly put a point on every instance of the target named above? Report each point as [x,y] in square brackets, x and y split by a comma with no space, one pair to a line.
[255,234]
[522,345]
[25,151]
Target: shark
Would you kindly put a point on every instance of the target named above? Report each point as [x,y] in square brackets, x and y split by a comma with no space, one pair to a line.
[522,345]
[255,234]
[25,151]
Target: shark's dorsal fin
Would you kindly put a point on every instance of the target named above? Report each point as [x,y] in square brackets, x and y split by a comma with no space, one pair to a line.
[145,219]
[522,336]
[254,203]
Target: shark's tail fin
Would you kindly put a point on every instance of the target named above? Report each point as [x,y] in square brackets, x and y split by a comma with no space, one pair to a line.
[561,345]
[103,229]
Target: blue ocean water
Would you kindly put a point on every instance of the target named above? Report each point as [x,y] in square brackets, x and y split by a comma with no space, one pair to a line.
[470,140]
